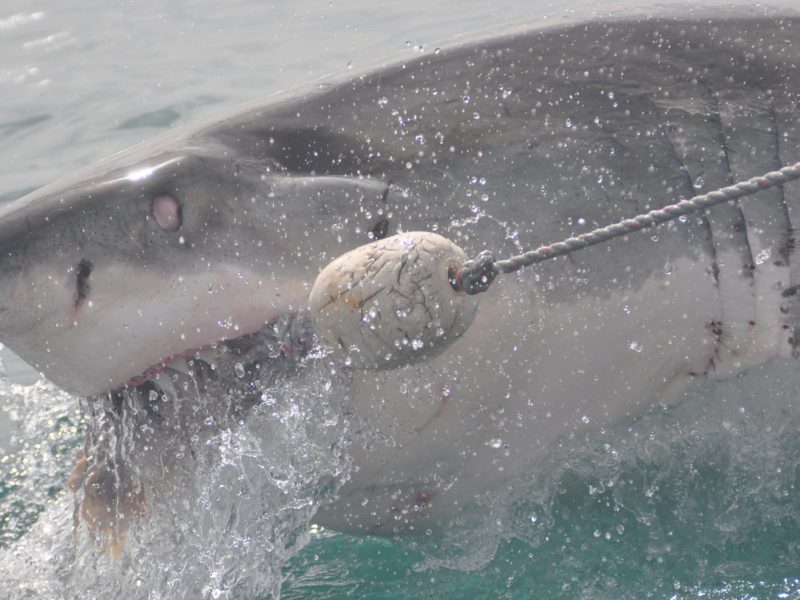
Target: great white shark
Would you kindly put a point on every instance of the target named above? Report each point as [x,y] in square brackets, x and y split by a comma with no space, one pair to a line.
[211,235]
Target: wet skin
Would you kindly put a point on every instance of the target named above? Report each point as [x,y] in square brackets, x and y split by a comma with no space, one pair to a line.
[216,232]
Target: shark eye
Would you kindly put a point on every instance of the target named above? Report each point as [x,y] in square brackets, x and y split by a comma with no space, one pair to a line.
[167,212]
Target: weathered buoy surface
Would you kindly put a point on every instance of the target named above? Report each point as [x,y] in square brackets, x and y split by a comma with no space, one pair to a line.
[391,303]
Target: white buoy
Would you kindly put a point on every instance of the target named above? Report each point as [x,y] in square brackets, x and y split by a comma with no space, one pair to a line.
[392,302]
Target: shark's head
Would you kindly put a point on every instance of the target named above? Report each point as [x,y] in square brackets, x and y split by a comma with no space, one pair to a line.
[155,254]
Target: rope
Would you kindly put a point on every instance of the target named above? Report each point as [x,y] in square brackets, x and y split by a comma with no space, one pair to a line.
[475,276]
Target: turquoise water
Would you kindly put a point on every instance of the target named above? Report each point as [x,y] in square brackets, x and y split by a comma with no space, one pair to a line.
[697,501]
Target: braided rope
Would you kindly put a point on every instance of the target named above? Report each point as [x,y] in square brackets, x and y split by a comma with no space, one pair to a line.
[476,275]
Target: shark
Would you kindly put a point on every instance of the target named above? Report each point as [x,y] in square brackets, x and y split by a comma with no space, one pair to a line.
[192,255]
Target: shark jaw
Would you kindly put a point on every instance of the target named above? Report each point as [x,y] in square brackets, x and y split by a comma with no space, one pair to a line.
[128,336]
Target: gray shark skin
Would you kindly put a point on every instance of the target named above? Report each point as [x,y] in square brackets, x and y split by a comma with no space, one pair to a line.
[499,143]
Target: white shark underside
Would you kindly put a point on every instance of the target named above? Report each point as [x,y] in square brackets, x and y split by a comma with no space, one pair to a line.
[502,144]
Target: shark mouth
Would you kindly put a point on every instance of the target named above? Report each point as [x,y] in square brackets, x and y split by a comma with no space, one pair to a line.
[286,339]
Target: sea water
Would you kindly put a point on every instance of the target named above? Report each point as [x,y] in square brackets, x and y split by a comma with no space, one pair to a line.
[695,501]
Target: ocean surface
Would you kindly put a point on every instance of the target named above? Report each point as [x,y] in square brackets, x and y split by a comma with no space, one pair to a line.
[697,501]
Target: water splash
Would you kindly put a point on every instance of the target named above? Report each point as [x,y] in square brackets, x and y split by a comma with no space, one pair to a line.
[228,503]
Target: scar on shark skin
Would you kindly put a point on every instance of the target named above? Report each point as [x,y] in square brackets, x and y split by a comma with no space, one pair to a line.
[416,501]
[446,393]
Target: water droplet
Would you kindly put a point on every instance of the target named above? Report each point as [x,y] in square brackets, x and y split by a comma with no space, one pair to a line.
[417,344]
[568,123]
[238,368]
[495,443]
[585,419]
[763,256]
[635,346]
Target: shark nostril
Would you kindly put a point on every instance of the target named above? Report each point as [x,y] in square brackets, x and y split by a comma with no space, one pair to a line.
[82,274]
[167,212]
